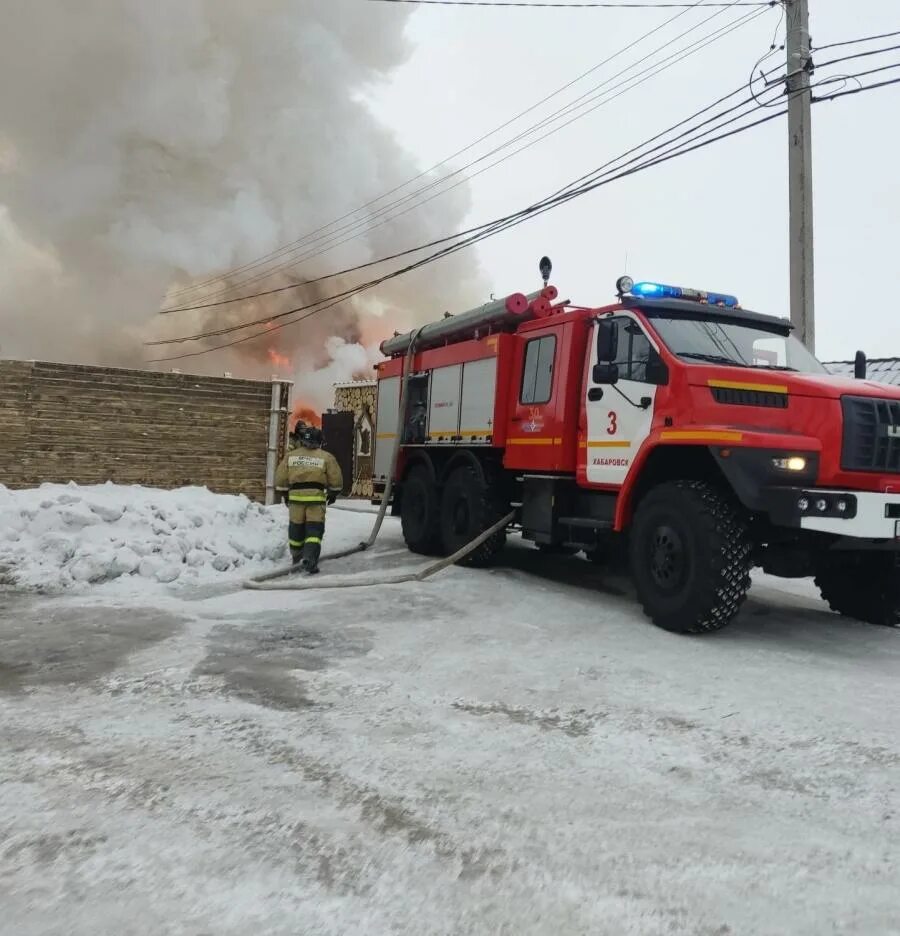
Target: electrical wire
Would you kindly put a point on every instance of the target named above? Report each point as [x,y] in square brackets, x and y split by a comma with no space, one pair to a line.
[672,155]
[847,42]
[364,222]
[860,90]
[266,258]
[383,216]
[699,141]
[773,48]
[606,96]
[856,75]
[858,55]
[660,160]
[566,5]
[474,233]
[487,230]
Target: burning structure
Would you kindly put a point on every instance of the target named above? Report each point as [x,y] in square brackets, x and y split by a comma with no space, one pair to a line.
[158,147]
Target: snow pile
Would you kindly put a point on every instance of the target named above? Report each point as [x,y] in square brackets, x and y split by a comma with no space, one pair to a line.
[60,536]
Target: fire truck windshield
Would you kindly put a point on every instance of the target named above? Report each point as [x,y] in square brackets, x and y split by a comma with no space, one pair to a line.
[734,342]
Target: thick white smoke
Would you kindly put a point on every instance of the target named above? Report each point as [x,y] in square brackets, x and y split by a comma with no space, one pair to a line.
[146,144]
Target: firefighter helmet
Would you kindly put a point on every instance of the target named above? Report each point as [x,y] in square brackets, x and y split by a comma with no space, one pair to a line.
[309,436]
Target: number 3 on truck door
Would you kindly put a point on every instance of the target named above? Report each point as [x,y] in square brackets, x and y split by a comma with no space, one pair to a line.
[614,436]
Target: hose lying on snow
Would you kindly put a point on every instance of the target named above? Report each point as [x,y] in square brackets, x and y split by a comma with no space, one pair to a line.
[265,583]
[389,487]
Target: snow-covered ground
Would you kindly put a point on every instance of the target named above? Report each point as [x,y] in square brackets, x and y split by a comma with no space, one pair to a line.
[515,751]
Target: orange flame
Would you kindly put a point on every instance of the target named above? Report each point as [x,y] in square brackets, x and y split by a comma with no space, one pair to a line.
[279,360]
[305,414]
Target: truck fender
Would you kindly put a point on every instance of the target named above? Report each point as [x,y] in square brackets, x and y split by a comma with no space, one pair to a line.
[464,457]
[659,462]
[416,459]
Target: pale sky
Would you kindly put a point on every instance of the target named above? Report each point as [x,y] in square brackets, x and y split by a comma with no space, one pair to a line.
[715,219]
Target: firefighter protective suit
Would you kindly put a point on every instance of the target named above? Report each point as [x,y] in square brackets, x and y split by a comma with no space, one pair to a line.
[307,479]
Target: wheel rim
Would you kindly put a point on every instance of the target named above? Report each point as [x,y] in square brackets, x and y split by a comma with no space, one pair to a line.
[668,558]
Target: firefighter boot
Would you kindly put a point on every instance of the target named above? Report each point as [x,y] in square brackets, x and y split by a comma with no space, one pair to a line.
[310,561]
[296,556]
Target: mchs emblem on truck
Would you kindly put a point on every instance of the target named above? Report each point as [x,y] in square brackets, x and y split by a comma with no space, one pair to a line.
[672,425]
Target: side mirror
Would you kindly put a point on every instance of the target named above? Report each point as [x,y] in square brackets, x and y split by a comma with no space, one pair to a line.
[606,373]
[860,365]
[607,340]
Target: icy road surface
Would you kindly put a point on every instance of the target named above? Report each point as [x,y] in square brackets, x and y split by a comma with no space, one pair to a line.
[505,752]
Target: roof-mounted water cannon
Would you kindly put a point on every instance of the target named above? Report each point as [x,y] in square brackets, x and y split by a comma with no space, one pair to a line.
[625,286]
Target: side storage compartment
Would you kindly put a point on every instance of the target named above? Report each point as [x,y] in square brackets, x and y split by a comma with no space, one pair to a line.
[387,418]
[479,386]
[443,410]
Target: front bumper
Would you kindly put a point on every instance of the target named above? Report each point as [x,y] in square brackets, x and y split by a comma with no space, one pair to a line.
[867,515]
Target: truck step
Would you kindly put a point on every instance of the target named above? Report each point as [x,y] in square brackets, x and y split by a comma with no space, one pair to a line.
[586,523]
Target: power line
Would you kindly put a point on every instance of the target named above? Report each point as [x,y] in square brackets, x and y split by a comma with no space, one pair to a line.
[308,240]
[266,258]
[488,229]
[514,220]
[671,61]
[664,158]
[569,6]
[847,42]
[860,90]
[859,55]
[854,77]
[383,215]
[578,186]
[607,96]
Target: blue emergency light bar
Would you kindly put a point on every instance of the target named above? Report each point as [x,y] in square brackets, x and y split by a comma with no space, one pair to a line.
[644,290]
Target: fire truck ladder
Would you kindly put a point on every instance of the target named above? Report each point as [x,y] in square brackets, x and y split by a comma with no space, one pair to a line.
[284,579]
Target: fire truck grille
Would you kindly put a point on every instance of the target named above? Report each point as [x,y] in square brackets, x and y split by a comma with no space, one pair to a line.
[871,434]
[735,397]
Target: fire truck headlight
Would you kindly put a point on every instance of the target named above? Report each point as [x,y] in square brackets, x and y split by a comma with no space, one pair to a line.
[803,504]
[792,463]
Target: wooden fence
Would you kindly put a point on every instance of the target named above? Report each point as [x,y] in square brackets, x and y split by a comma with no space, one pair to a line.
[67,422]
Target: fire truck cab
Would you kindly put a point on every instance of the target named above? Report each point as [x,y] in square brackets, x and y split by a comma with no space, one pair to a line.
[701,437]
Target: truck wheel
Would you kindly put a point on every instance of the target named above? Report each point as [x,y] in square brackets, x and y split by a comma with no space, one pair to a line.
[420,513]
[690,557]
[468,509]
[866,589]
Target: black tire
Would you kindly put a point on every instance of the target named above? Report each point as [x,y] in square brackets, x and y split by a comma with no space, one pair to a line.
[468,508]
[865,587]
[420,513]
[690,557]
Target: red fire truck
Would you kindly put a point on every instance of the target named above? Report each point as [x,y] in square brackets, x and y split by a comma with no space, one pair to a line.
[701,437]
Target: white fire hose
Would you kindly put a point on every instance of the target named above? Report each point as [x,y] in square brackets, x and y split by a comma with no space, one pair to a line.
[268,581]
[265,583]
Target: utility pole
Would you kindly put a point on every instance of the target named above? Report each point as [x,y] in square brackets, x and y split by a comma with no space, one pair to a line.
[800,170]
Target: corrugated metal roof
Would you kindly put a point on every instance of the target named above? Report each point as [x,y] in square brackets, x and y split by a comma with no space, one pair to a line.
[881,370]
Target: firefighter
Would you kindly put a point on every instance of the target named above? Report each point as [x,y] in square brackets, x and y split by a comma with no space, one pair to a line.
[308,479]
